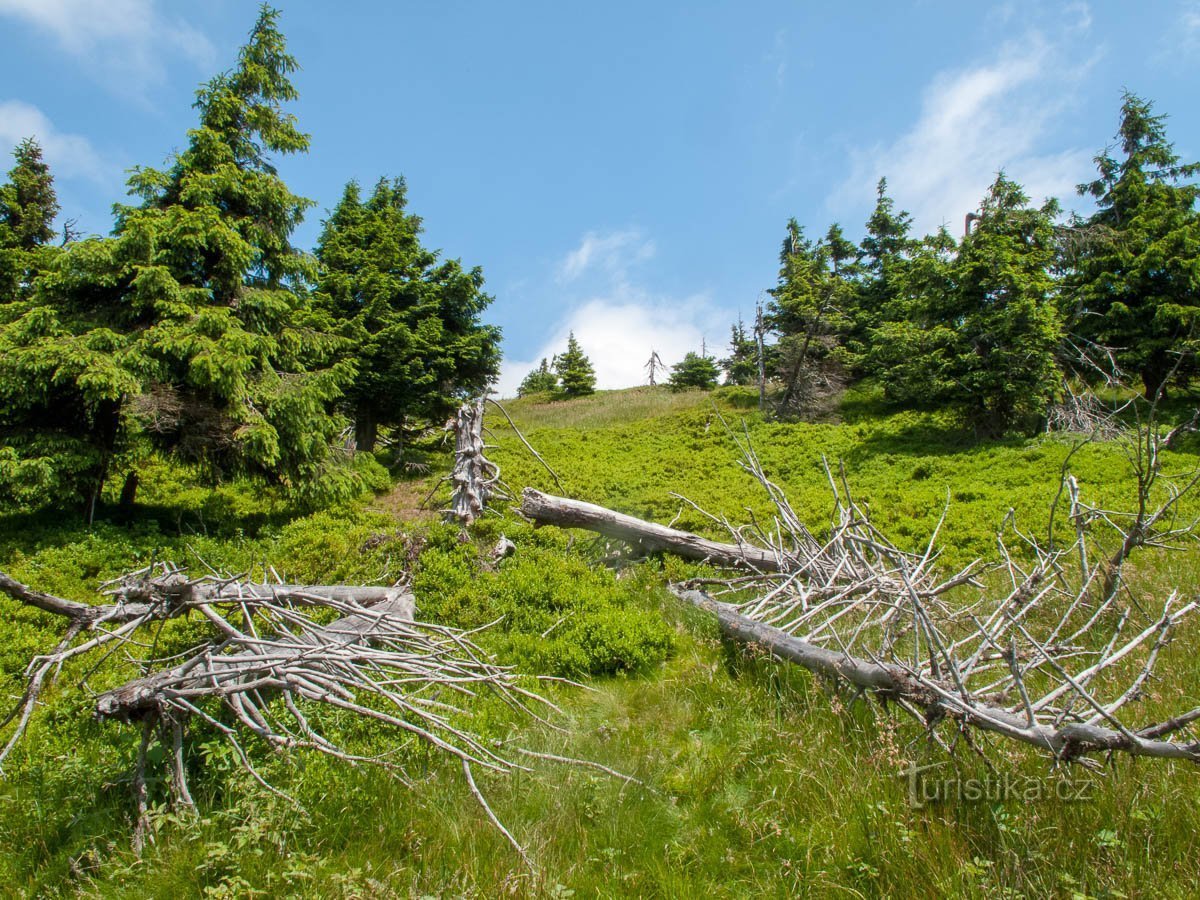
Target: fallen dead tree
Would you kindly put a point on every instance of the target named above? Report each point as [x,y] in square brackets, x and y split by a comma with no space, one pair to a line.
[1051,649]
[273,663]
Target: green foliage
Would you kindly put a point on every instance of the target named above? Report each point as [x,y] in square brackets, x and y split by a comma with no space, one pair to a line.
[560,615]
[810,308]
[540,381]
[694,371]
[576,376]
[982,327]
[411,322]
[1136,282]
[741,366]
[741,754]
[191,328]
[884,253]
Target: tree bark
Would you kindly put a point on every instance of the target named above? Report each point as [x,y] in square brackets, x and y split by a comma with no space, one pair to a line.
[546,509]
[366,429]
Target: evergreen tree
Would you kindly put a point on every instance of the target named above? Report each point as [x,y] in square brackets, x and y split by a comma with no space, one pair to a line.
[574,370]
[741,366]
[193,323]
[219,295]
[412,322]
[883,255]
[540,381]
[694,371]
[58,378]
[983,326]
[1137,283]
[809,309]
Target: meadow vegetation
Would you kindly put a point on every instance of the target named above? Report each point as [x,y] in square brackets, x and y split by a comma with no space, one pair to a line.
[761,780]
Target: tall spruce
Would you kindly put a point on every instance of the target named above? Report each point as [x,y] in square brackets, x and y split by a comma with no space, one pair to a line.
[576,376]
[413,322]
[883,254]
[741,366]
[236,358]
[1136,285]
[983,325]
[809,309]
[192,325]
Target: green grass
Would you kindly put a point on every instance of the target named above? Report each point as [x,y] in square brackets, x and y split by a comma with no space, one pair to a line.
[762,782]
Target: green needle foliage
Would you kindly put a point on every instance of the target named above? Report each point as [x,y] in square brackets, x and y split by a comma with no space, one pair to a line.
[694,371]
[540,381]
[576,376]
[983,326]
[1137,282]
[412,322]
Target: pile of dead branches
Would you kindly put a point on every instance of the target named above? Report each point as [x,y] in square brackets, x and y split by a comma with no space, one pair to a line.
[1047,644]
[277,655]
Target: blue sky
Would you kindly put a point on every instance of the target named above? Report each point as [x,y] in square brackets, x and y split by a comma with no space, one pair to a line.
[622,169]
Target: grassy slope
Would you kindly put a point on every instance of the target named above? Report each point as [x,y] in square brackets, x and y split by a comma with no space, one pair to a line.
[763,783]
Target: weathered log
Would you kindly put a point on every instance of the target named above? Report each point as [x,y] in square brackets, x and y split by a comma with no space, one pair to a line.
[945,701]
[546,509]
[474,477]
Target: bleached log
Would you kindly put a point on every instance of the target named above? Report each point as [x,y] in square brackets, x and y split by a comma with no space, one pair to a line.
[892,681]
[546,509]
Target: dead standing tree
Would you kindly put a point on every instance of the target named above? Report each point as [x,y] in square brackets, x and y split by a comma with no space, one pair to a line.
[1054,658]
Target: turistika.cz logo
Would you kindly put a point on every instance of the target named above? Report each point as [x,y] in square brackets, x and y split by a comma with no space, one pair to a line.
[999,787]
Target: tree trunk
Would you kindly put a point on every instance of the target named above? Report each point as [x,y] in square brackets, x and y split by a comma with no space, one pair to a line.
[546,509]
[366,428]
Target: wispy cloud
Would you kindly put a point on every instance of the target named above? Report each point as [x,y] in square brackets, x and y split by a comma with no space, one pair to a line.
[974,122]
[610,253]
[69,155]
[124,42]
[1187,31]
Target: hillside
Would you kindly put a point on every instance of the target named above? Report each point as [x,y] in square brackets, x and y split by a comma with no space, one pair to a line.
[760,779]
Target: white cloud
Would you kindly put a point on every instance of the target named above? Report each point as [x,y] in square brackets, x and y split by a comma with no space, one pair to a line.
[617,320]
[122,39]
[69,155]
[618,333]
[973,123]
[609,253]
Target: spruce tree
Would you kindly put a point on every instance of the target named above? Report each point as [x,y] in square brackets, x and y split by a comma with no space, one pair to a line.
[412,321]
[1136,285]
[220,297]
[982,326]
[694,371]
[192,325]
[576,376]
[883,254]
[741,366]
[809,308]
[540,381]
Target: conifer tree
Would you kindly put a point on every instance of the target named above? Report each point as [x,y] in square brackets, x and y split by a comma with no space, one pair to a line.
[883,255]
[576,376]
[1136,286]
[741,366]
[809,307]
[983,325]
[694,371]
[540,381]
[192,324]
[412,322]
